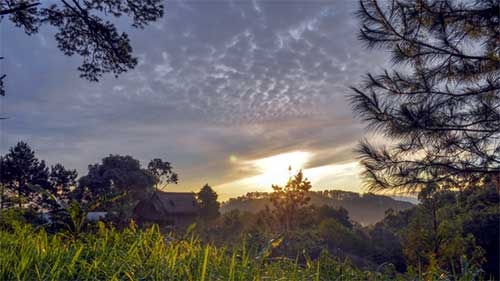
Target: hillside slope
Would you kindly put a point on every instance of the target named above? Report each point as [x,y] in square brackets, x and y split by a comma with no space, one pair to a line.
[365,208]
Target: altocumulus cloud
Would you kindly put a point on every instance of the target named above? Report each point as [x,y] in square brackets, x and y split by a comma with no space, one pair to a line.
[215,78]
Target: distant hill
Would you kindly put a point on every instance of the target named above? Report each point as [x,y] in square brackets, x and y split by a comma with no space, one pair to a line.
[365,208]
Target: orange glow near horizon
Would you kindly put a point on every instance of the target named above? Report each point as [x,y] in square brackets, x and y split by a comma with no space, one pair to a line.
[269,170]
[275,170]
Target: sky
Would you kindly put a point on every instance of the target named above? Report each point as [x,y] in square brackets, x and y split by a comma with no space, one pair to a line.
[232,93]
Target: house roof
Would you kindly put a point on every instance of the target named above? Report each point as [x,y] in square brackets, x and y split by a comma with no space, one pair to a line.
[175,203]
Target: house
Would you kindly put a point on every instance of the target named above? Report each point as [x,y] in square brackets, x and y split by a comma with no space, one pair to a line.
[177,209]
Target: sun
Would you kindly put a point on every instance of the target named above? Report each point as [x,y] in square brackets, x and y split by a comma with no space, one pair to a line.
[277,169]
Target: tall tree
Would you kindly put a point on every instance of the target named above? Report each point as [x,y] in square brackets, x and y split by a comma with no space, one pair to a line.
[162,172]
[209,206]
[83,28]
[22,171]
[435,236]
[441,104]
[289,199]
[61,182]
[116,176]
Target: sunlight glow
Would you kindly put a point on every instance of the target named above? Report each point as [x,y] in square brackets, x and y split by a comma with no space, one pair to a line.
[264,172]
[275,169]
[278,168]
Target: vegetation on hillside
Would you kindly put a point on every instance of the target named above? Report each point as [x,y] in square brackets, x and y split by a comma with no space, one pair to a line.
[440,110]
[366,208]
[105,253]
[448,233]
[437,235]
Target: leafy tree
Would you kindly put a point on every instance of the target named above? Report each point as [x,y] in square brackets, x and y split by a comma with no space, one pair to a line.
[340,214]
[116,178]
[435,236]
[386,247]
[441,108]
[209,206]
[446,227]
[338,236]
[21,171]
[162,172]
[83,28]
[288,199]
[482,219]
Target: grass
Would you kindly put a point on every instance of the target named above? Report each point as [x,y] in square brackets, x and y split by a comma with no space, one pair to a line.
[131,254]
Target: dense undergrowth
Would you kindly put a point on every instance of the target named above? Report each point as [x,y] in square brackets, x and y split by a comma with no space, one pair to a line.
[27,253]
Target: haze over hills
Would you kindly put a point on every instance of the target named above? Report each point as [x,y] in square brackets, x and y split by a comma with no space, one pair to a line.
[365,209]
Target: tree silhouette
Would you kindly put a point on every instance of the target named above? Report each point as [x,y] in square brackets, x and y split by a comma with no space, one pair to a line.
[61,182]
[209,207]
[162,172]
[21,171]
[440,106]
[83,28]
[288,199]
[116,176]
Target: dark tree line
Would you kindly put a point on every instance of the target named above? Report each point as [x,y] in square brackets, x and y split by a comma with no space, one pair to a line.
[115,184]
[84,28]
[441,103]
[22,174]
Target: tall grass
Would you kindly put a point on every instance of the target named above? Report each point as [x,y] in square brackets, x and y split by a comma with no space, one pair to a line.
[131,254]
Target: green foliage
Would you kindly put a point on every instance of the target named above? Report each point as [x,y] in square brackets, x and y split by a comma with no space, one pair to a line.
[341,215]
[15,216]
[134,254]
[446,229]
[61,181]
[115,174]
[119,182]
[20,170]
[435,235]
[365,209]
[386,247]
[336,235]
[448,236]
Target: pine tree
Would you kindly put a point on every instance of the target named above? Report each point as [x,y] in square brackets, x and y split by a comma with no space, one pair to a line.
[440,105]
[22,173]
[84,28]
